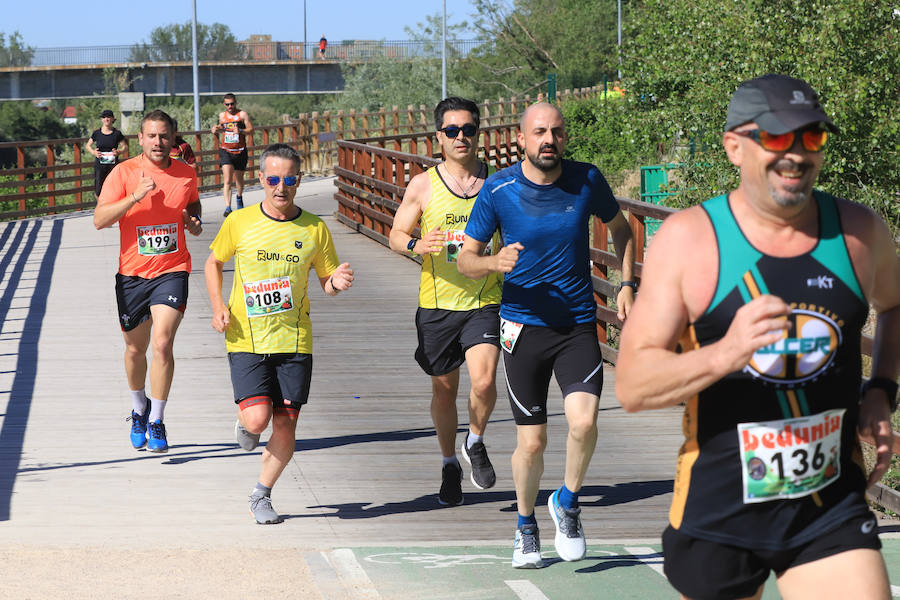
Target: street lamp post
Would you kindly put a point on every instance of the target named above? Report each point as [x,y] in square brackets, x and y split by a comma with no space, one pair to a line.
[196,70]
[444,53]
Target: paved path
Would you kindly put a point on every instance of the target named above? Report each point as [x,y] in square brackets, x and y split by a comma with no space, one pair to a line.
[82,515]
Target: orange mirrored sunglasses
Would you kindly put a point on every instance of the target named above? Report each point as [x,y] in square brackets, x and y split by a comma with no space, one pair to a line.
[813,139]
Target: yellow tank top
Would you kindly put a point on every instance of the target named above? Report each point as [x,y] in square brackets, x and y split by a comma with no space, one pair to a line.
[441,285]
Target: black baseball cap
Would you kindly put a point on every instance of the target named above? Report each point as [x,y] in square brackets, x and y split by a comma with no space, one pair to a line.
[777,103]
[107,113]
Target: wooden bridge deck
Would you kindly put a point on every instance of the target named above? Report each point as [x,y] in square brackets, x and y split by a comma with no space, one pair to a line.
[366,470]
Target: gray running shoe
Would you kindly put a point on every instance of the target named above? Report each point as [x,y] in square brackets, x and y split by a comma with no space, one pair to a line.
[569,540]
[246,440]
[482,476]
[527,548]
[261,508]
[451,485]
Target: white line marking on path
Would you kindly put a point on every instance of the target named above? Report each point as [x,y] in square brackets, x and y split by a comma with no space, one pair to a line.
[654,560]
[351,574]
[895,591]
[525,590]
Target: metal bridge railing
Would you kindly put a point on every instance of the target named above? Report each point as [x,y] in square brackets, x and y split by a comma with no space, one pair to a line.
[342,50]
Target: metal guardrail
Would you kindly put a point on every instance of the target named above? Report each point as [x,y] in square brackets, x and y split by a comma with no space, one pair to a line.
[342,50]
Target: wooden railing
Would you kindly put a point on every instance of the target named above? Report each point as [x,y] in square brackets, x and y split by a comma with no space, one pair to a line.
[53,176]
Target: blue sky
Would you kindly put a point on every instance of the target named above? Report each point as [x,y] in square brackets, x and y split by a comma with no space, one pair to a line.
[56,23]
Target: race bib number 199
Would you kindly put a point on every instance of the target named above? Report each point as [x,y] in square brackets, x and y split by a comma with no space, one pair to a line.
[154,240]
[268,297]
[790,458]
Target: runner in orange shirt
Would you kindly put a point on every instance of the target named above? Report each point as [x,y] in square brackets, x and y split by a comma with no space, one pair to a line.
[234,125]
[154,200]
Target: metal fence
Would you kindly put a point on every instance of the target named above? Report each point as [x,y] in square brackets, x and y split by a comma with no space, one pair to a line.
[343,50]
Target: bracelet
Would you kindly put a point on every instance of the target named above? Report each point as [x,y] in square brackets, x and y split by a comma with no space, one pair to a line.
[333,289]
[134,199]
[889,386]
[199,220]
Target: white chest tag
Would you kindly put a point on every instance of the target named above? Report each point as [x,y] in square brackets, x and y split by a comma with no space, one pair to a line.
[509,334]
[107,158]
[268,297]
[790,458]
[232,137]
[154,240]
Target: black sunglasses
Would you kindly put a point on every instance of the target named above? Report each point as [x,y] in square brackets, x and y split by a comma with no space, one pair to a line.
[452,131]
[230,103]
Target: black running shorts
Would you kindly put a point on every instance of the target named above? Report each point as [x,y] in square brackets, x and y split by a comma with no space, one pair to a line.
[701,569]
[284,378]
[236,160]
[570,353]
[445,335]
[135,296]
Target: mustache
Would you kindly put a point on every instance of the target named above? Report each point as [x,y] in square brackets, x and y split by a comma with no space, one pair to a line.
[549,147]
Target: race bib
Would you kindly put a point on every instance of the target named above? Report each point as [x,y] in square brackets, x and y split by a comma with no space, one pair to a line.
[268,297]
[454,243]
[154,240]
[790,458]
[232,137]
[107,158]
[509,334]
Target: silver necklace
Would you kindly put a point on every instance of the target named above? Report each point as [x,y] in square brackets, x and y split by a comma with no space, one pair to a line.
[459,185]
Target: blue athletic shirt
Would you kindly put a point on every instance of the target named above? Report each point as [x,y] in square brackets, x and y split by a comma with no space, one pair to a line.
[550,285]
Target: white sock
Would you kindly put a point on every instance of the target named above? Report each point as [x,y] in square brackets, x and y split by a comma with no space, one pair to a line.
[138,401]
[449,459]
[157,408]
[472,438]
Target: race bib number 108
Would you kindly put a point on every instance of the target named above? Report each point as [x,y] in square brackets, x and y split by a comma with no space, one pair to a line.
[268,297]
[790,458]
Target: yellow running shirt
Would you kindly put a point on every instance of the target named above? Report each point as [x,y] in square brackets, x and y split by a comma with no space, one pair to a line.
[272,259]
[441,285]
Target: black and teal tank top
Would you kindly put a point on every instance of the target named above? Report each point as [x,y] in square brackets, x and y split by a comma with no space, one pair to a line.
[771,458]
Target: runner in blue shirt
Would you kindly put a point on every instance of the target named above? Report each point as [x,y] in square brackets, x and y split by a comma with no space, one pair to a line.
[542,207]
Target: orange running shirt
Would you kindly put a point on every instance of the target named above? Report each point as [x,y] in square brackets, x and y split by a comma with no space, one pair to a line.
[151,234]
[232,137]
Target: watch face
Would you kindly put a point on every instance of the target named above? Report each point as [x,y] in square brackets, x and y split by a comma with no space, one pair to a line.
[411,244]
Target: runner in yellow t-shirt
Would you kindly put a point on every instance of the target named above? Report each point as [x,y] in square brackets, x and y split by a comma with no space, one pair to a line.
[457,319]
[268,333]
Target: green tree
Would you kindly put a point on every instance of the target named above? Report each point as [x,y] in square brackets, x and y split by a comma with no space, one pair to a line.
[173,42]
[684,58]
[576,39]
[14,52]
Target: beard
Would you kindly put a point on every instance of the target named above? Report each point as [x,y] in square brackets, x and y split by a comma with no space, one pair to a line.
[793,195]
[545,164]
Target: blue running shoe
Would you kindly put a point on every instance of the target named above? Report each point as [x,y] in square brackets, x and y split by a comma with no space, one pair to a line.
[157,441]
[138,429]
[240,201]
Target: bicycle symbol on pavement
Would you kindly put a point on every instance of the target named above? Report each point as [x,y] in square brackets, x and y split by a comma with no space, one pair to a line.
[429,560]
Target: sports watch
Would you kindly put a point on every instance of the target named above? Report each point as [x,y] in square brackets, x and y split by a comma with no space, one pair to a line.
[881,383]
[412,244]
[631,284]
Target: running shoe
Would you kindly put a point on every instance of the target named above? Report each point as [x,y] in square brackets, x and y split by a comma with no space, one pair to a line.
[239,202]
[261,508]
[482,476]
[157,441]
[451,485]
[227,211]
[138,429]
[246,440]
[569,539]
[527,548]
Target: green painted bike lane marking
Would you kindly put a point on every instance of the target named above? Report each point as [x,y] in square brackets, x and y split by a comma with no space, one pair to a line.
[608,572]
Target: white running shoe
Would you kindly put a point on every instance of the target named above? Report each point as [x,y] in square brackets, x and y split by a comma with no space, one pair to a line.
[569,540]
[527,548]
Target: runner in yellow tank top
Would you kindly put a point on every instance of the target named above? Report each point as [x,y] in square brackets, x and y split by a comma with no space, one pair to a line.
[457,320]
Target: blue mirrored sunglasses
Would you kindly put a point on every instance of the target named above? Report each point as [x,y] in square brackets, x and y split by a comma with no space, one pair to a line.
[289,180]
[452,131]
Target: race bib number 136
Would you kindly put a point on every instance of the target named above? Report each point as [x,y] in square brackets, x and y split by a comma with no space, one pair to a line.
[790,458]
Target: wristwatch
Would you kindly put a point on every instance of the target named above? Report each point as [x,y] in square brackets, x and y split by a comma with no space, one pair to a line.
[630,284]
[412,244]
[882,383]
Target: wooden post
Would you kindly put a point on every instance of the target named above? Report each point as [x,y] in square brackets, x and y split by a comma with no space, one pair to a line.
[601,242]
[315,162]
[51,199]
[76,158]
[20,163]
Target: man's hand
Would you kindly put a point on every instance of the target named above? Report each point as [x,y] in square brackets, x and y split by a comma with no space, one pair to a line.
[432,242]
[145,186]
[216,129]
[342,277]
[624,301]
[192,223]
[507,257]
[875,423]
[221,318]
[756,324]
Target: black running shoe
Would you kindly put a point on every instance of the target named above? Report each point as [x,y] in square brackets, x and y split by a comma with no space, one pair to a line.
[483,476]
[451,485]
